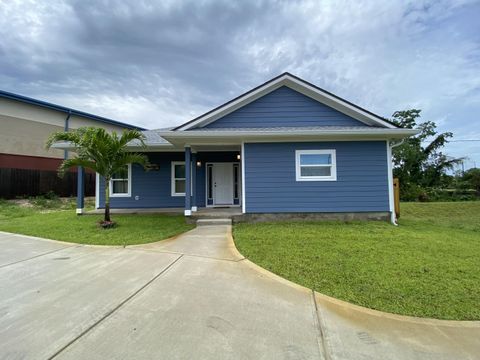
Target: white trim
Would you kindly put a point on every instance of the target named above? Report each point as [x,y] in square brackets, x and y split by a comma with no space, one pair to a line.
[295,84]
[79,211]
[97,191]
[172,178]
[391,201]
[332,166]
[290,133]
[129,178]
[242,166]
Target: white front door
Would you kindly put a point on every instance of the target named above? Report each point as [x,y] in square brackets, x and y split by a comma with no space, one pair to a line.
[223,184]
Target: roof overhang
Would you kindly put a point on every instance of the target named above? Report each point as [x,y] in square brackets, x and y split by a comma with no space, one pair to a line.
[296,84]
[182,138]
[177,140]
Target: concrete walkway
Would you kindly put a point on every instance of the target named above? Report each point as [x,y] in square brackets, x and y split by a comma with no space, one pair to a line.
[193,297]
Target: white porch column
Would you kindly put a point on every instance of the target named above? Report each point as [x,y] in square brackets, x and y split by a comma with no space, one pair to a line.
[194,181]
[188,181]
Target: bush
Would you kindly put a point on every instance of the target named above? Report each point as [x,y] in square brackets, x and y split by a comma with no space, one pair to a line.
[411,192]
[51,195]
[452,195]
[417,193]
[47,201]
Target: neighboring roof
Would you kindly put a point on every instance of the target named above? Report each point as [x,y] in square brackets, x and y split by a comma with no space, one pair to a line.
[295,83]
[28,100]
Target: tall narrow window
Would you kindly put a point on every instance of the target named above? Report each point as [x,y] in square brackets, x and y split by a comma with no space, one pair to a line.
[178,178]
[210,182]
[120,184]
[315,165]
[236,190]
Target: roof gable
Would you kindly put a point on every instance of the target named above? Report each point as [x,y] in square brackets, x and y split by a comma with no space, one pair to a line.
[301,86]
[284,107]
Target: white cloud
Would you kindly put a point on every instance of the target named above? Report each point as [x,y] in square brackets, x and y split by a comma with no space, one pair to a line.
[159,65]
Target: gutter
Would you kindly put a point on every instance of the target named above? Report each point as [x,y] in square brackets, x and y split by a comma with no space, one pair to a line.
[393,216]
[67,126]
[253,133]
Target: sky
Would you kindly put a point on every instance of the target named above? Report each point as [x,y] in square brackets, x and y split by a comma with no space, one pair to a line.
[161,63]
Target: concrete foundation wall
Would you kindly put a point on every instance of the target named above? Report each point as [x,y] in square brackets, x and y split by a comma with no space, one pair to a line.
[347,216]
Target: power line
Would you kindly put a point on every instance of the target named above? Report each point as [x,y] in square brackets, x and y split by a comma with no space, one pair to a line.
[464,140]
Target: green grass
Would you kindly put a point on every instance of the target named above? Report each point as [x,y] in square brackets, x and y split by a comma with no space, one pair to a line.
[57,220]
[429,266]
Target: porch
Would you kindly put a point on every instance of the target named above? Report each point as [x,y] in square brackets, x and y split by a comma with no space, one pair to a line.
[200,181]
[202,213]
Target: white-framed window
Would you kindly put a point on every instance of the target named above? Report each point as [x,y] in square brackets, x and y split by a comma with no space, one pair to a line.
[121,182]
[178,178]
[315,165]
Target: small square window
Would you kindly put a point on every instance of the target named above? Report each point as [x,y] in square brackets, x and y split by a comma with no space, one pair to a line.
[315,165]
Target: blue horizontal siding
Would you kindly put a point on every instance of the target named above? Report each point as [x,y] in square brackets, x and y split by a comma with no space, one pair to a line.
[271,186]
[154,187]
[284,107]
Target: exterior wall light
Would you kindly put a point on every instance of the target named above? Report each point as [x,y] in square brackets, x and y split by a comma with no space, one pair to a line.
[199,164]
[238,157]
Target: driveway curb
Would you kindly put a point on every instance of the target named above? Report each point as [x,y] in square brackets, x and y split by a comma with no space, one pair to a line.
[344,305]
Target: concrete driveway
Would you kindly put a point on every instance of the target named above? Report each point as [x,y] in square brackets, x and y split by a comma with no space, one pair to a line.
[193,297]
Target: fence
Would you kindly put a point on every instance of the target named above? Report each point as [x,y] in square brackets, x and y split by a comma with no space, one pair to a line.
[23,183]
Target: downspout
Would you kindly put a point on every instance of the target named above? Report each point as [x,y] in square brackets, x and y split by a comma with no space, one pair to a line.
[393,216]
[67,119]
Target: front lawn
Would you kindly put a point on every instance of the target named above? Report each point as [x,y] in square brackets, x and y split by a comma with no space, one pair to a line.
[55,220]
[429,266]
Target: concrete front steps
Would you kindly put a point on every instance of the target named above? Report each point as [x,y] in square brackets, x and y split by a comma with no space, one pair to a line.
[202,222]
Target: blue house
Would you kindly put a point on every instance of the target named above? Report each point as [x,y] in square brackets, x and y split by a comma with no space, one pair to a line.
[286,148]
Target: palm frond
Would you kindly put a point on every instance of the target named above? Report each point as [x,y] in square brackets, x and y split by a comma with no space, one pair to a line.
[75,162]
[99,150]
[130,135]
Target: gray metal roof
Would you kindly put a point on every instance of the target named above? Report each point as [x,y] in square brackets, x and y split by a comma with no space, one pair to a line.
[151,139]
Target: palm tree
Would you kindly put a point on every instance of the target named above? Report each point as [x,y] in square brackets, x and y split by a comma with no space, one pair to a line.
[101,152]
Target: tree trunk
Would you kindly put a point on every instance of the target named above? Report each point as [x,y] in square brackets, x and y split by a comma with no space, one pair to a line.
[107,200]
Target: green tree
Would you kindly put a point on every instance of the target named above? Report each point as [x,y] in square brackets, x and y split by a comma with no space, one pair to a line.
[472,178]
[101,152]
[419,162]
